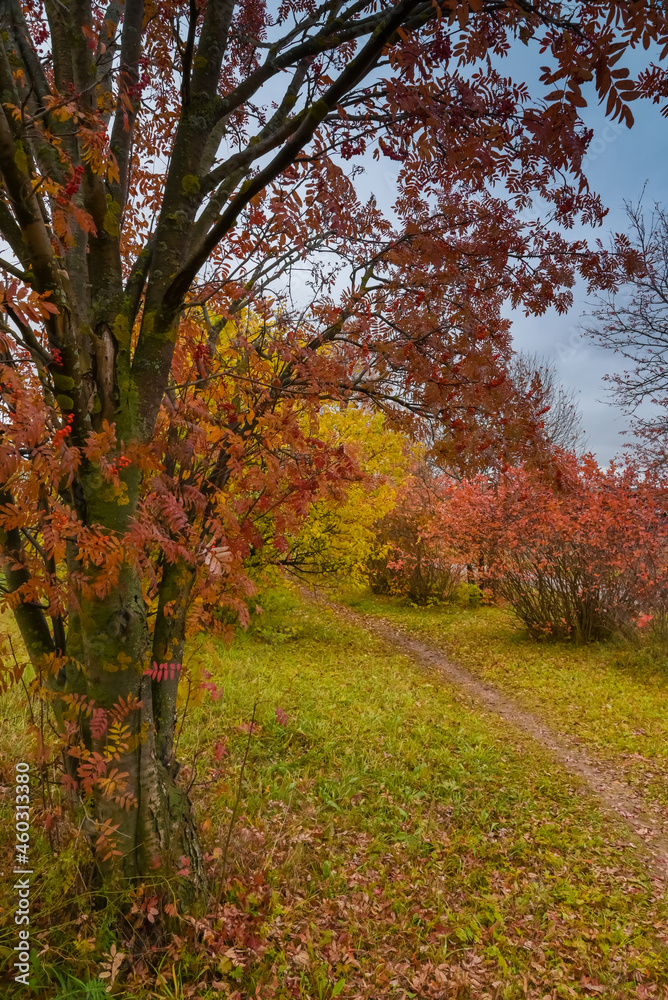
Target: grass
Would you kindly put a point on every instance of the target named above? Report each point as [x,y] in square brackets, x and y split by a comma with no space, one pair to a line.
[391,842]
[610,696]
[409,844]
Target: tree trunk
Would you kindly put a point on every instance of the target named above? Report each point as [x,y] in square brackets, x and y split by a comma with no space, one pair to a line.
[140,822]
[168,642]
[148,816]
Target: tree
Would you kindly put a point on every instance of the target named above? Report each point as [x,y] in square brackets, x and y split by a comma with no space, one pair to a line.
[340,532]
[410,558]
[536,380]
[632,320]
[530,415]
[166,169]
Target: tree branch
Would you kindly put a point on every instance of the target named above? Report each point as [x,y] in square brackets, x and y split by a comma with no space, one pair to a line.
[29,616]
[188,54]
[122,130]
[357,68]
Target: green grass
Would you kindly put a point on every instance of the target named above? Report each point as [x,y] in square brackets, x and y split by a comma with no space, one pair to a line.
[391,841]
[610,696]
[404,842]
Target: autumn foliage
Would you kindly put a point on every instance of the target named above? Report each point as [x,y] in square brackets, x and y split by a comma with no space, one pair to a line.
[340,532]
[579,554]
[193,269]
[410,559]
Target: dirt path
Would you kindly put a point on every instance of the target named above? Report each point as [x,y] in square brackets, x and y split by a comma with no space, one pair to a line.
[649,828]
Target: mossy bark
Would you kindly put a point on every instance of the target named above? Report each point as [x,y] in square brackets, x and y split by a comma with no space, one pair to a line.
[168,644]
[156,834]
[110,650]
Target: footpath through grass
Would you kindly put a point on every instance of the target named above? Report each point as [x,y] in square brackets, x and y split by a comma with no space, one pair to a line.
[394,842]
[390,842]
[610,696]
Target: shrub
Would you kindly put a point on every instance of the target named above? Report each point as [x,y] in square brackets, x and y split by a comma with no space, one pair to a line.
[579,555]
[409,560]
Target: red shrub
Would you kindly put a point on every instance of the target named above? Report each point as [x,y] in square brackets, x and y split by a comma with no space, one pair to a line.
[581,555]
[411,559]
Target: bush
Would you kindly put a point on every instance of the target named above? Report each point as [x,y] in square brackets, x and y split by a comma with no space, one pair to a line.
[581,555]
[408,559]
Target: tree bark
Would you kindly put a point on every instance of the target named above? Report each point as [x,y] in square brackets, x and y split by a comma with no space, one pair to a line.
[154,831]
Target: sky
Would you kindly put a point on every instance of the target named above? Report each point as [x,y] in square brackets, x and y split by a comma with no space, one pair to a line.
[623,165]
[620,164]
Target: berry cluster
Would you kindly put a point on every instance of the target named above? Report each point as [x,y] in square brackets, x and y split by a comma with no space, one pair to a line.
[121,462]
[72,186]
[63,432]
